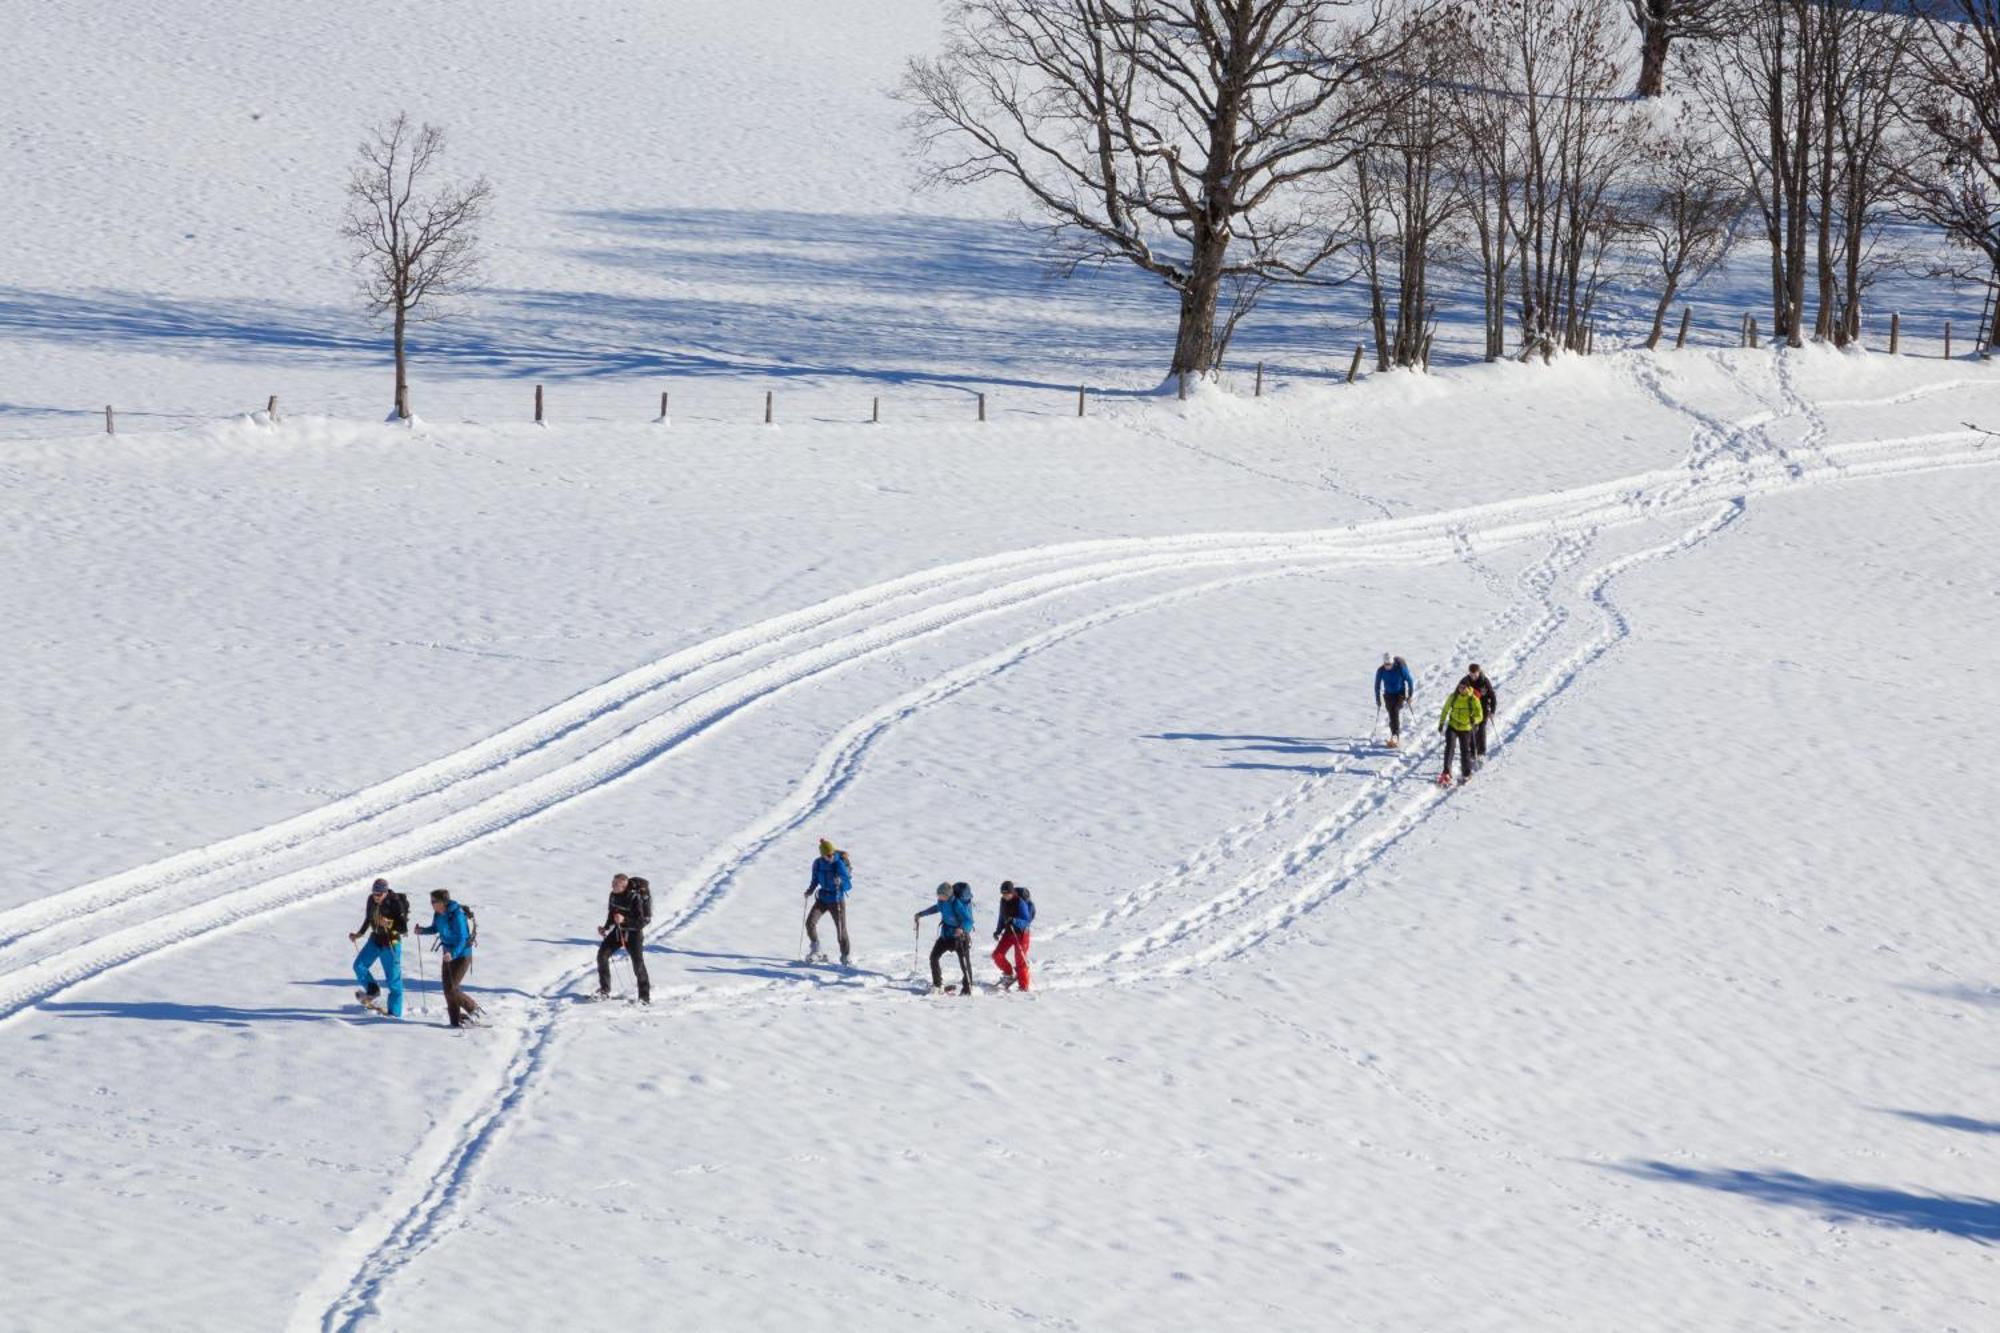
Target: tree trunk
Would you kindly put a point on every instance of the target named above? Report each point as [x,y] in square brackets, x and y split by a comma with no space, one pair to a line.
[1194,345]
[402,376]
[1653,56]
[1993,327]
[1660,316]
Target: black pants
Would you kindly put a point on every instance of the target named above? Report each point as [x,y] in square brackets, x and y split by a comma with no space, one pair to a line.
[1479,738]
[1462,741]
[458,1006]
[838,911]
[962,946]
[632,939]
[1395,704]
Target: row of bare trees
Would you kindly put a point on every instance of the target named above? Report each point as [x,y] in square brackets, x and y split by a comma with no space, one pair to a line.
[1226,146]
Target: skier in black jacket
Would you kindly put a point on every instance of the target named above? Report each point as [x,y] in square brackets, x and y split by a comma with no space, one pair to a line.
[1488,701]
[626,916]
[385,919]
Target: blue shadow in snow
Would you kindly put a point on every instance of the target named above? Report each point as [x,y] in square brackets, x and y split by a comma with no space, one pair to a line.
[164,1012]
[1963,1123]
[1966,1216]
[1982,995]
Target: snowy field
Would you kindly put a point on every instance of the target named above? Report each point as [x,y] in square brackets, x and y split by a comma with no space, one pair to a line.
[1682,1015]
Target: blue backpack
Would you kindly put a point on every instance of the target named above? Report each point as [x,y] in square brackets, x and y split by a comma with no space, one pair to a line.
[1024,907]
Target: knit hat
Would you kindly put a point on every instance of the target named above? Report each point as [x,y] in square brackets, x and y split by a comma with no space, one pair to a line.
[379,886]
[944,888]
[825,848]
[1006,886]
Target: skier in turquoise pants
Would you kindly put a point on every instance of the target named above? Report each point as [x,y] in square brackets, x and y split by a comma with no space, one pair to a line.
[385,918]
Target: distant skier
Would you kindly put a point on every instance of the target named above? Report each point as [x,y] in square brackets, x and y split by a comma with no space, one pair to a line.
[1460,719]
[453,925]
[1017,914]
[832,880]
[1489,703]
[1394,687]
[385,919]
[953,910]
[626,916]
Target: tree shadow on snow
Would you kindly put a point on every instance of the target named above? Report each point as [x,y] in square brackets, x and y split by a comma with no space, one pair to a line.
[161,1011]
[1967,1216]
[1963,1123]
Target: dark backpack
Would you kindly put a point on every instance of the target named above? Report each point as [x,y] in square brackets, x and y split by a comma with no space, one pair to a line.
[471,925]
[642,900]
[399,912]
[1024,906]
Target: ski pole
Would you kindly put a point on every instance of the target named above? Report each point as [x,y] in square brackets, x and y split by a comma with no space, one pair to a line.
[807,916]
[917,948]
[423,996]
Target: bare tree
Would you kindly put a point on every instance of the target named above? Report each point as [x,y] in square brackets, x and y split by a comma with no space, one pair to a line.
[1547,135]
[1952,179]
[1663,22]
[1691,205]
[1186,137]
[415,237]
[1402,193]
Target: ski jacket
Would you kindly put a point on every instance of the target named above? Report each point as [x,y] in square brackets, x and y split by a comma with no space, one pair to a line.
[387,924]
[1462,712]
[452,932]
[953,914]
[1394,680]
[831,880]
[1018,915]
[1483,687]
[629,905]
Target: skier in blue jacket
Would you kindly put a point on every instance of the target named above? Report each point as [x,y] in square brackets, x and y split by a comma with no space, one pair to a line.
[832,881]
[454,932]
[953,910]
[1394,687]
[1017,916]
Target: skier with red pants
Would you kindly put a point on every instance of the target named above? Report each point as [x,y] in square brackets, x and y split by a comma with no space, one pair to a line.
[1017,913]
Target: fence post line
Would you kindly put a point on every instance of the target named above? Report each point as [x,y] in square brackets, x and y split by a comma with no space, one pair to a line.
[767,407]
[1947,340]
[1354,366]
[1681,338]
[1260,381]
[1895,331]
[109,429]
[271,409]
[663,406]
[538,404]
[982,407]
[1079,400]
[875,409]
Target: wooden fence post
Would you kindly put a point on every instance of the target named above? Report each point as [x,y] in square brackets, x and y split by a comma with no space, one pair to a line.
[1947,340]
[1354,366]
[271,409]
[109,429]
[1753,333]
[875,410]
[1895,332]
[982,407]
[767,407]
[663,406]
[538,404]
[1687,317]
[1260,381]
[1079,400]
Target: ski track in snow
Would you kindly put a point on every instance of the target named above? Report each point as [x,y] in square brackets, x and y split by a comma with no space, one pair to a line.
[1757,464]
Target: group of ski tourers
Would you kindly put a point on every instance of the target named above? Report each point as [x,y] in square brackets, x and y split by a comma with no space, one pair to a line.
[1472,704]
[833,880]
[629,910]
[1468,710]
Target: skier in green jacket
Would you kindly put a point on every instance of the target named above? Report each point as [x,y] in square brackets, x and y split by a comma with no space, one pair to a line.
[1459,724]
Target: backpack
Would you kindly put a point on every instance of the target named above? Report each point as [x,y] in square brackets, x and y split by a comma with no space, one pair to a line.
[643,900]
[399,912]
[1024,907]
[471,925]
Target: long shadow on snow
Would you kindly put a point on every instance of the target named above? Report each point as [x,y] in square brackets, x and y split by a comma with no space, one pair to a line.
[1963,1123]
[161,1011]
[1962,1215]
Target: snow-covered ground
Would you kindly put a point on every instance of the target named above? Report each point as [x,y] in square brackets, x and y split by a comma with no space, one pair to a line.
[1680,1016]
